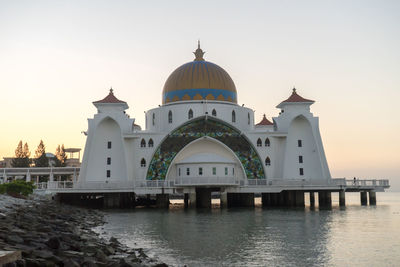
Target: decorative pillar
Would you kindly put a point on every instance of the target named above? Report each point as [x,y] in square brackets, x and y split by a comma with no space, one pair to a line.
[28,176]
[363,196]
[372,198]
[342,198]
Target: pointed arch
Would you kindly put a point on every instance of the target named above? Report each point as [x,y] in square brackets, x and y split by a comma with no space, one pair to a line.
[267,161]
[233,116]
[190,114]
[205,127]
[154,119]
[214,112]
[259,142]
[170,116]
[267,142]
[143,143]
[143,163]
[151,143]
[248,118]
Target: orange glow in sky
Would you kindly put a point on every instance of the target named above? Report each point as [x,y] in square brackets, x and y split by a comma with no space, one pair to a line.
[58,57]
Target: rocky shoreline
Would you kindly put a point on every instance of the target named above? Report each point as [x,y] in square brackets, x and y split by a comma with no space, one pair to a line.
[52,234]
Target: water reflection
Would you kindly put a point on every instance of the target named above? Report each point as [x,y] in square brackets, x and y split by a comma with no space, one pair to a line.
[227,237]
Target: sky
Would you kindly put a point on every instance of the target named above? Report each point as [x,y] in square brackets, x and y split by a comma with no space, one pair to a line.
[57,57]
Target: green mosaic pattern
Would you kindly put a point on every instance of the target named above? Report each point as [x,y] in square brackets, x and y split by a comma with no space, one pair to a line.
[195,129]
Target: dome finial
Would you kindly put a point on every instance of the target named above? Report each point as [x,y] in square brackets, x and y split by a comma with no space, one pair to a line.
[111,90]
[198,53]
[294,89]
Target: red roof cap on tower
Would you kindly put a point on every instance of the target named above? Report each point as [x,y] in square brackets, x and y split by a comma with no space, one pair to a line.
[110,99]
[264,121]
[296,98]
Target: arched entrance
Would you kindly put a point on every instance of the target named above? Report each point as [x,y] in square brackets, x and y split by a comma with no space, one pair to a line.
[201,127]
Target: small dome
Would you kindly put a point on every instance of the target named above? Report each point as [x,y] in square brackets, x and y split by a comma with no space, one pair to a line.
[199,80]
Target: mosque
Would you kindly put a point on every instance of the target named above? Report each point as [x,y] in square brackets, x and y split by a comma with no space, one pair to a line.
[200,140]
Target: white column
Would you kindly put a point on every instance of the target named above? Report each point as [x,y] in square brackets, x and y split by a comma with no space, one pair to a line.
[28,176]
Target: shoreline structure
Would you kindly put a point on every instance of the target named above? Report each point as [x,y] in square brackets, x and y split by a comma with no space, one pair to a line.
[51,234]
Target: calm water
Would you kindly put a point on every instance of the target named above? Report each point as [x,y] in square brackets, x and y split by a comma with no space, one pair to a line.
[353,236]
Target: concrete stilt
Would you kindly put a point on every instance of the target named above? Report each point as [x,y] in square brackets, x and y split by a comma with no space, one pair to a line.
[186,200]
[324,199]
[321,198]
[299,198]
[223,200]
[162,201]
[274,198]
[363,196]
[148,200]
[312,199]
[281,199]
[342,198]
[192,200]
[266,199]
[110,200]
[203,198]
[247,199]
[372,198]
[290,198]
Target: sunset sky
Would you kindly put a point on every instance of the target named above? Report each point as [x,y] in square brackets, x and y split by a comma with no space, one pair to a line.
[57,57]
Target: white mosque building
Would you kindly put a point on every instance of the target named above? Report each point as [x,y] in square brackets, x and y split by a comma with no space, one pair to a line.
[201,138]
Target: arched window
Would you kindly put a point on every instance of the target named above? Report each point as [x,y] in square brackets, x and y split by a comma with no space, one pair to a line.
[143,163]
[233,116]
[154,119]
[267,143]
[170,116]
[248,118]
[143,143]
[151,143]
[214,113]
[190,114]
[267,161]
[259,142]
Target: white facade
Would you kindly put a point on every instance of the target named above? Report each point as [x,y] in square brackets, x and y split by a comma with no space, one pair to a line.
[117,150]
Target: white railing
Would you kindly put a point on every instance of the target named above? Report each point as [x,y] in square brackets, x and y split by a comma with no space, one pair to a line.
[199,181]
[190,181]
[155,183]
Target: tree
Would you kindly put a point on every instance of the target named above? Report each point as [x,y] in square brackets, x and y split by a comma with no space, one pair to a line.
[60,156]
[41,159]
[21,159]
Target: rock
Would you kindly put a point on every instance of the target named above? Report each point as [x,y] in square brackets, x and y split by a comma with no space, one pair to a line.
[70,263]
[109,250]
[53,242]
[14,239]
[31,263]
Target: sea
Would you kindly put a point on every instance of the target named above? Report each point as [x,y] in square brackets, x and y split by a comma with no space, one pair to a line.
[354,235]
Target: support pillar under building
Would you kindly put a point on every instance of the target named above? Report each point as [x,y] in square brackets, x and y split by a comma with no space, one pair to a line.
[372,198]
[186,200]
[203,198]
[342,198]
[312,199]
[162,201]
[266,199]
[299,199]
[223,200]
[324,199]
[363,196]
[192,200]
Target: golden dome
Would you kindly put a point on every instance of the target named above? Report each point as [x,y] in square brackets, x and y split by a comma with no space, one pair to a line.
[199,80]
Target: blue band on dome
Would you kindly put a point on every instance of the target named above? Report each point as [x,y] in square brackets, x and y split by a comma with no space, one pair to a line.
[201,91]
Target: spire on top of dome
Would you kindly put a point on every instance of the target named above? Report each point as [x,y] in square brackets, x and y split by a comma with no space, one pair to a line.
[198,53]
